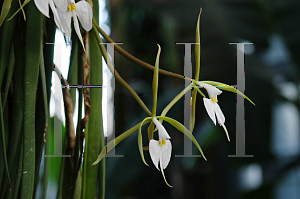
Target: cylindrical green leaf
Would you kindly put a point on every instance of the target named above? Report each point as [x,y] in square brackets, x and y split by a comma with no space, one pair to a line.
[94,135]
[32,60]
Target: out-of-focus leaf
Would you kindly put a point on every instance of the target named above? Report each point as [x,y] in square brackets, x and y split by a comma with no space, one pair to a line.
[5,9]
[6,34]
[15,146]
[3,144]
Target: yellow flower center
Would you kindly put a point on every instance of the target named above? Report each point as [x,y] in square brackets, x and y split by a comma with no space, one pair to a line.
[214,99]
[72,7]
[162,142]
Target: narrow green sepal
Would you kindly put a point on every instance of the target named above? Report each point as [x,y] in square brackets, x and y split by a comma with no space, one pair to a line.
[163,174]
[155,81]
[113,143]
[21,8]
[140,139]
[197,48]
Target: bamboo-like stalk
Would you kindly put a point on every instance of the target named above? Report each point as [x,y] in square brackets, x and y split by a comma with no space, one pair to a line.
[32,60]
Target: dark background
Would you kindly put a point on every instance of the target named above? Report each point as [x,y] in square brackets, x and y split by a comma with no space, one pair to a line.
[272,82]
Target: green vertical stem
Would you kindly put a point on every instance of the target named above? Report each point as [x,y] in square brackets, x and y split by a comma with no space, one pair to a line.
[79,133]
[32,60]
[94,132]
[42,115]
[96,58]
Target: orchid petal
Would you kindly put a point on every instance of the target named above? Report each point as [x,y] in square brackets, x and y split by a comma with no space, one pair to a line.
[211,90]
[162,172]
[43,6]
[161,130]
[166,151]
[56,17]
[154,150]
[85,14]
[219,113]
[209,106]
[65,20]
[61,5]
[226,132]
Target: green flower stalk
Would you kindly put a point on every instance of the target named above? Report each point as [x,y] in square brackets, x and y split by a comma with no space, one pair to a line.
[160,151]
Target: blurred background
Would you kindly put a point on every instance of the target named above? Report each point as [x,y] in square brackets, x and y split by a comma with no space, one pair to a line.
[272,83]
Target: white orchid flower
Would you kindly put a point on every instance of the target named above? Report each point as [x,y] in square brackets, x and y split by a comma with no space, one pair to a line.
[212,107]
[83,11]
[43,6]
[160,151]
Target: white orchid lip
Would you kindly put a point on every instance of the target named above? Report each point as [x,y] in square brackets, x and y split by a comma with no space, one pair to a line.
[212,107]
[43,6]
[160,150]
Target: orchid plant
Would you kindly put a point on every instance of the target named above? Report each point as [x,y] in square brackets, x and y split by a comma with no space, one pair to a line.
[79,174]
[63,11]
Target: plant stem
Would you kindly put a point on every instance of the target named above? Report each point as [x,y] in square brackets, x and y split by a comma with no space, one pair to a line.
[118,77]
[134,59]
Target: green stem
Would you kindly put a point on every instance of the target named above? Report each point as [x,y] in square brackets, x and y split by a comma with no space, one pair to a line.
[134,59]
[117,76]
